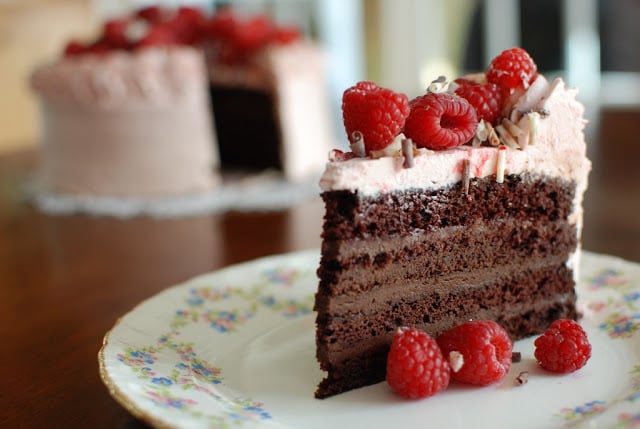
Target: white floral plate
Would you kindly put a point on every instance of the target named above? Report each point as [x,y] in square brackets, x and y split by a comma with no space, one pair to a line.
[235,349]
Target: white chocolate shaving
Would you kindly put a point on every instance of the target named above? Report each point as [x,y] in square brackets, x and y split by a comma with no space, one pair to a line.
[500,165]
[438,85]
[513,129]
[456,360]
[493,138]
[506,137]
[357,147]
[534,126]
[482,132]
[393,149]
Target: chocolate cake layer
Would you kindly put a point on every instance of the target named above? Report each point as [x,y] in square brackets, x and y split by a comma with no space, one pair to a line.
[434,259]
[246,128]
[417,287]
[352,267]
[475,297]
[349,215]
[353,345]
[368,365]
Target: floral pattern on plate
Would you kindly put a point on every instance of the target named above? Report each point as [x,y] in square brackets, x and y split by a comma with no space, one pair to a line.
[235,349]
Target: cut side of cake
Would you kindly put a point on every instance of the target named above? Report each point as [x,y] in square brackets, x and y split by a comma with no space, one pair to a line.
[268,87]
[431,239]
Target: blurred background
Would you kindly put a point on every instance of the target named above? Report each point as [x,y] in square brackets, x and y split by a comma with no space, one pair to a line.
[402,44]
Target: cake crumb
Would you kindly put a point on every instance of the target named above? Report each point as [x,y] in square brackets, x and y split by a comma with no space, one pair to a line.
[516,357]
[522,378]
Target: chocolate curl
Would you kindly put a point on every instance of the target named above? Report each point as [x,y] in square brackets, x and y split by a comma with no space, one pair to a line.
[500,165]
[407,152]
[357,147]
[466,175]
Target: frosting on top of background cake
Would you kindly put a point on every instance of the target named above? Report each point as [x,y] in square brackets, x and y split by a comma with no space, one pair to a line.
[272,65]
[555,147]
[149,77]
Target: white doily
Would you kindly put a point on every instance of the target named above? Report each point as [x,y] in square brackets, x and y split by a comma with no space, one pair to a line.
[260,192]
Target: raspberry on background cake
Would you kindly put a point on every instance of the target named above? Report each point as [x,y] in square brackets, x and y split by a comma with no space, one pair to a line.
[473,210]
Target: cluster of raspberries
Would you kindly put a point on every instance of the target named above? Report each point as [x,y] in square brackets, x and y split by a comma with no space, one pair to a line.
[476,352]
[436,120]
[231,39]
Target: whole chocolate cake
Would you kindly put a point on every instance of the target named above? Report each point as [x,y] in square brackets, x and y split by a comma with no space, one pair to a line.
[430,230]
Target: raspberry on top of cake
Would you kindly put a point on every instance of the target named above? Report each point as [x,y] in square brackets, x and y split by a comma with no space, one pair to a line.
[462,203]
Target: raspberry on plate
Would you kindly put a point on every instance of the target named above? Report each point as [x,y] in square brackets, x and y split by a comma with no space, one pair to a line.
[416,367]
[563,347]
[440,121]
[487,99]
[377,113]
[483,349]
[512,69]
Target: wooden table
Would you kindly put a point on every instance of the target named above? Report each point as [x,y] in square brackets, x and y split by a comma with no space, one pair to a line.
[65,280]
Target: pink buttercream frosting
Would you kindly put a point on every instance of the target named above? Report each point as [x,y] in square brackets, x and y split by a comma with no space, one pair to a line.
[127,124]
[557,150]
[153,76]
[270,65]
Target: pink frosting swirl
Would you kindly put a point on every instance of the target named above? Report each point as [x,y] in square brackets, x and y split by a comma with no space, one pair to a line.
[154,76]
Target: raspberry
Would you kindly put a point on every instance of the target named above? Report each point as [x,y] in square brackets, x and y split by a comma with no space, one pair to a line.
[415,365]
[440,121]
[487,99]
[158,35]
[563,347]
[286,35]
[222,24]
[251,35]
[188,25]
[99,47]
[378,113]
[74,48]
[115,33]
[151,14]
[485,348]
[512,69]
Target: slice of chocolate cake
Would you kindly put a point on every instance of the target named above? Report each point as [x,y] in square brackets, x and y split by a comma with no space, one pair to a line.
[432,238]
